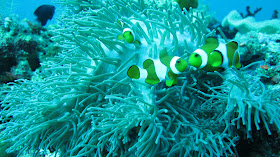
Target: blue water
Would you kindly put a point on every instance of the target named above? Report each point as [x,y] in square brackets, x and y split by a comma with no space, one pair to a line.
[222,7]
[25,9]
[218,8]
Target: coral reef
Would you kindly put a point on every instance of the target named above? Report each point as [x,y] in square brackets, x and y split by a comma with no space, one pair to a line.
[275,14]
[244,25]
[264,48]
[23,47]
[187,4]
[85,104]
[81,102]
[249,13]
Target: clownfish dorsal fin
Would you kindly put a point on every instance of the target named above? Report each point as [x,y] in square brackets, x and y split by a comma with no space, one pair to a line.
[147,63]
[210,44]
[215,59]
[233,44]
[163,53]
[211,40]
[133,72]
[164,57]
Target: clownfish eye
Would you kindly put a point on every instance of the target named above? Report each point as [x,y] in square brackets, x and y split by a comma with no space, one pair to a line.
[178,62]
[196,55]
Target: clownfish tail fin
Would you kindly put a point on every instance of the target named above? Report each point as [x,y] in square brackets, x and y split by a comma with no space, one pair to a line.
[233,44]
[133,72]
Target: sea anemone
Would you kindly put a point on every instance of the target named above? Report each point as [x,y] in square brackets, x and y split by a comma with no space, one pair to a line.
[244,103]
[83,104]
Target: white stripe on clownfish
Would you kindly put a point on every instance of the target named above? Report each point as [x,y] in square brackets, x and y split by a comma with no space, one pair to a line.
[204,57]
[173,63]
[160,69]
[220,55]
[222,48]
[143,73]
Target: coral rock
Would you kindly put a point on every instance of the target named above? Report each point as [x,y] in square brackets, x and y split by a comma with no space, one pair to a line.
[248,24]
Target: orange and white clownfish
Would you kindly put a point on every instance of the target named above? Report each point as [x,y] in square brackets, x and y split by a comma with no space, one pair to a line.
[214,55]
[127,34]
[166,68]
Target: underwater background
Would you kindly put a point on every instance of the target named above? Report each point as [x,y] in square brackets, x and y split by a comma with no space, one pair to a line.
[88,83]
[219,8]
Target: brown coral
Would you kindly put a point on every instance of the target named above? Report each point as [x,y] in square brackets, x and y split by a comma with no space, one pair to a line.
[187,4]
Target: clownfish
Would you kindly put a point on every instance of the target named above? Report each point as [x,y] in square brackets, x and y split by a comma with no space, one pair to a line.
[214,55]
[127,34]
[154,71]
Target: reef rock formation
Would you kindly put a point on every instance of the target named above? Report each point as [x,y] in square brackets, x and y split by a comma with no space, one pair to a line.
[244,25]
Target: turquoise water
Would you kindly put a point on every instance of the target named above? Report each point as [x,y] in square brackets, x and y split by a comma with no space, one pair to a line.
[218,8]
[118,79]
[25,8]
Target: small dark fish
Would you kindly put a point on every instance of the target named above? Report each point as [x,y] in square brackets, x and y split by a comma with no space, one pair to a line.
[44,13]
